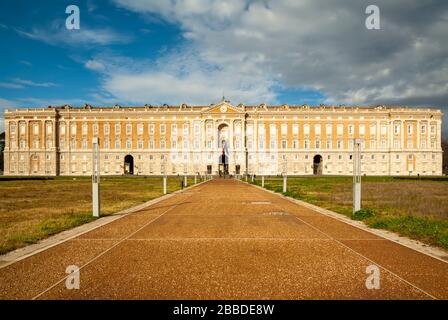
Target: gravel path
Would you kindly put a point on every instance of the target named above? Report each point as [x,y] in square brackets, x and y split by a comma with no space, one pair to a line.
[226,240]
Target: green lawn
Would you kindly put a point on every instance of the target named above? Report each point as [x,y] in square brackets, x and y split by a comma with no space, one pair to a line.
[417,208]
[31,210]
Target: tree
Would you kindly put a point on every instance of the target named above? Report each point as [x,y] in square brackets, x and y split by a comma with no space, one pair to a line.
[2,147]
[445,156]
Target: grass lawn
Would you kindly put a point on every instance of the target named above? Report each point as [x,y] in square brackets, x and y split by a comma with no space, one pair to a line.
[31,210]
[417,208]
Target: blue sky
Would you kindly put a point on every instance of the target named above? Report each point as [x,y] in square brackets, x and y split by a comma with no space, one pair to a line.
[194,51]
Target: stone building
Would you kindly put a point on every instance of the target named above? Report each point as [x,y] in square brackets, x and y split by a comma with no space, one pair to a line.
[270,140]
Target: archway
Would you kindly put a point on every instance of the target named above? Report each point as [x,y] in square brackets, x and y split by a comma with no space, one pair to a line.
[223,143]
[317,164]
[129,164]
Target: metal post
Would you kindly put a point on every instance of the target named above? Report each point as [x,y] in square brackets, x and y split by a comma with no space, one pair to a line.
[195,177]
[262,181]
[356,175]
[96,178]
[284,182]
[164,184]
[185,181]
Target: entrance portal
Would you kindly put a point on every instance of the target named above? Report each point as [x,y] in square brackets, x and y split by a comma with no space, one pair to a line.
[129,164]
[317,164]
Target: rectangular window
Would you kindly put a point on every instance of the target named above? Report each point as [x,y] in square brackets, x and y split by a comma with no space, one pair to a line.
[397,129]
[284,128]
[295,129]
[84,128]
[306,129]
[372,130]
[140,129]
[317,129]
[328,129]
[362,129]
[106,129]
[340,129]
[128,128]
[35,129]
[174,129]
[117,128]
[350,129]
[151,128]
[162,129]
[423,129]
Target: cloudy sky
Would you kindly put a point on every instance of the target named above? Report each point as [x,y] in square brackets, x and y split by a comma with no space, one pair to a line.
[196,51]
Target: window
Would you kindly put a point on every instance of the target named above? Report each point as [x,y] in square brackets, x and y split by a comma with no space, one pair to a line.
[95,129]
[162,144]
[328,129]
[106,144]
[306,144]
[140,129]
[185,129]
[317,129]
[173,144]
[84,128]
[383,129]
[396,129]
[410,129]
[117,128]
[350,129]
[339,144]
[372,144]
[151,128]
[35,129]
[306,129]
[328,144]
[372,130]
[73,128]
[340,129]
[49,144]
[423,129]
[174,129]
[162,128]
[151,144]
[317,144]
[49,128]
[283,144]
[396,144]
[140,144]
[362,129]
[128,128]
[433,129]
[84,144]
[117,144]
[106,129]
[197,128]
[295,144]
[128,144]
[284,128]
[295,129]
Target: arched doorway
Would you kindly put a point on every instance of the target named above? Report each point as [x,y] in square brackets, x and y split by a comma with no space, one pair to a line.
[223,143]
[317,164]
[129,164]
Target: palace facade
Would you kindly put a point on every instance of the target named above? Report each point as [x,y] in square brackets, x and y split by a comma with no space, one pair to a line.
[261,140]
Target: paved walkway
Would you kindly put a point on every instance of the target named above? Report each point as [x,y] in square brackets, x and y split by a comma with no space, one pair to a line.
[226,240]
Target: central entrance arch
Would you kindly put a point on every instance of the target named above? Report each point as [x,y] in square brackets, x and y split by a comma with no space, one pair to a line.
[129,164]
[223,143]
[317,165]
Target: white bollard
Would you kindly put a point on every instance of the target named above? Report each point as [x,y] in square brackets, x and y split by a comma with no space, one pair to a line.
[164,184]
[252,178]
[284,183]
[185,181]
[96,178]
[195,180]
[262,181]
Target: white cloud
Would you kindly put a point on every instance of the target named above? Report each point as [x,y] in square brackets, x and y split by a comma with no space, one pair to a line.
[18,83]
[34,84]
[322,45]
[58,34]
[94,65]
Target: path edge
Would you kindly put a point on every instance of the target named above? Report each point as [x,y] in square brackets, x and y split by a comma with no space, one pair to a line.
[61,237]
[433,252]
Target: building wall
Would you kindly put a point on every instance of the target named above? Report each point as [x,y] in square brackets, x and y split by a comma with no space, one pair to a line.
[185,139]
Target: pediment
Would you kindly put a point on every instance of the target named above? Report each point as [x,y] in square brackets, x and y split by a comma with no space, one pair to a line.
[223,107]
